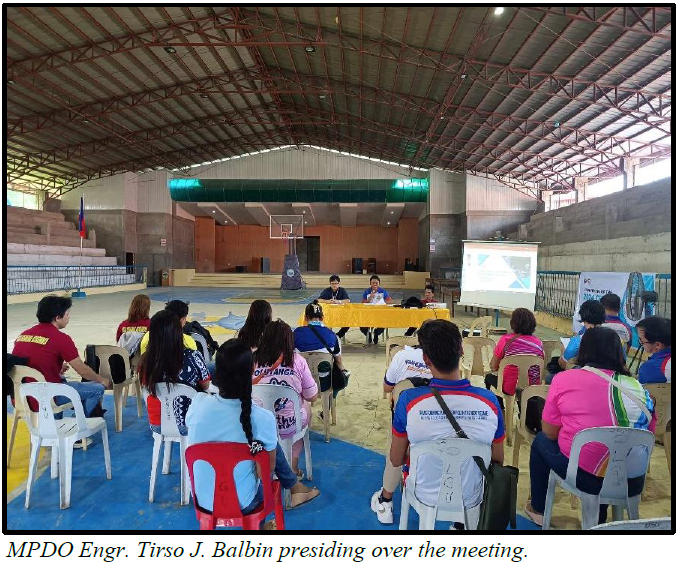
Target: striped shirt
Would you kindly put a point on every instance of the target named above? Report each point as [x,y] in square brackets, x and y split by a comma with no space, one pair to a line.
[522,345]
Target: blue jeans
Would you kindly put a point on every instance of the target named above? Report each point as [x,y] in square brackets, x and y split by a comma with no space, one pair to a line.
[546,456]
[90,394]
[286,477]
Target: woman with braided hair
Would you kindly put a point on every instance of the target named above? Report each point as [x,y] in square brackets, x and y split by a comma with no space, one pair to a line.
[231,416]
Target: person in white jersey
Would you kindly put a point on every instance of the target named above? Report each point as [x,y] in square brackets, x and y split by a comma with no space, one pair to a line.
[406,364]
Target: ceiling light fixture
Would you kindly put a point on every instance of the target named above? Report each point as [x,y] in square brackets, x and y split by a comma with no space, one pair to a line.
[170,49]
[10,81]
[388,223]
[498,11]
[203,95]
[310,49]
[463,77]
[86,121]
[392,212]
[321,96]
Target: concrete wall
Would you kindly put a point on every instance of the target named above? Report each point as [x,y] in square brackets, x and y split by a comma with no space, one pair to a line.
[625,231]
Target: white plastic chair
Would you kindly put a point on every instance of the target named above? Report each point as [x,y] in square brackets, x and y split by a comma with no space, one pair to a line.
[169,433]
[649,524]
[202,347]
[268,394]
[18,374]
[619,442]
[522,432]
[523,363]
[483,351]
[450,506]
[60,435]
[314,359]
[121,379]
[396,344]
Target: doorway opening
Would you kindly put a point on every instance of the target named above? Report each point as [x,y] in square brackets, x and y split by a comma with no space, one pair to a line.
[309,253]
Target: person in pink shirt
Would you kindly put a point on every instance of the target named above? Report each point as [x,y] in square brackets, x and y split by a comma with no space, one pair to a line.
[520,342]
[277,363]
[579,399]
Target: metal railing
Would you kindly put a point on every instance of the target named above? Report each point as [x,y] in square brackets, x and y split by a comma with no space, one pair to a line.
[556,292]
[39,278]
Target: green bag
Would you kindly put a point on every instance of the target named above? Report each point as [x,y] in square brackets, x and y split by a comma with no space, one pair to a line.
[498,509]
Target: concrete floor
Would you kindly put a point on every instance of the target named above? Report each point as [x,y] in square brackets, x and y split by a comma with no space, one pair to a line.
[363,416]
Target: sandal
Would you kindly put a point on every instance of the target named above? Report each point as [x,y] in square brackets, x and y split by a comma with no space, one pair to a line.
[270,525]
[300,498]
[532,515]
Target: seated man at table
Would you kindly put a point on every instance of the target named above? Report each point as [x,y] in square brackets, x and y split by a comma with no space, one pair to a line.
[375,295]
[428,298]
[335,294]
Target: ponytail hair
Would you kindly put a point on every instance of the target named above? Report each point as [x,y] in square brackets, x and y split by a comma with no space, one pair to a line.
[313,311]
[233,377]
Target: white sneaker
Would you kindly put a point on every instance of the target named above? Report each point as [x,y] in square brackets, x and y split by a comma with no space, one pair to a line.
[384,510]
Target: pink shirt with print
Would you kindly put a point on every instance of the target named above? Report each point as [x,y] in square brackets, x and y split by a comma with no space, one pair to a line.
[578,399]
[299,378]
[522,345]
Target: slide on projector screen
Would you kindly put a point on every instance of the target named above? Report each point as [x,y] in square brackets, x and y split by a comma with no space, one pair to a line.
[499,274]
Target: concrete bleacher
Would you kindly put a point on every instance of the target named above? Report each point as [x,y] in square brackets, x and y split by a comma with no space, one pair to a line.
[257,280]
[36,237]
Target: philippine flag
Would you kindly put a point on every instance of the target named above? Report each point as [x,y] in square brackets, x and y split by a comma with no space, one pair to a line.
[81,219]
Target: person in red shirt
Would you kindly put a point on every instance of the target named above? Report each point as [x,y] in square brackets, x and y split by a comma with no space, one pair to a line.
[51,351]
[137,316]
[428,298]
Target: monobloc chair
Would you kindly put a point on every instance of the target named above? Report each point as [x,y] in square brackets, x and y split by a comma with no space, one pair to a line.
[619,442]
[452,452]
[60,435]
[396,344]
[552,347]
[202,346]
[20,374]
[269,395]
[523,364]
[522,432]
[482,323]
[114,363]
[169,433]
[648,524]
[483,351]
[226,512]
[662,396]
[314,360]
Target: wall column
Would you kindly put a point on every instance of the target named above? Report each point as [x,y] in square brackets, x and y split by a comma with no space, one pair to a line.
[581,188]
[629,166]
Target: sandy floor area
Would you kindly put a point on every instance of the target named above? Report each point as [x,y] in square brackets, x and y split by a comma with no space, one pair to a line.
[363,416]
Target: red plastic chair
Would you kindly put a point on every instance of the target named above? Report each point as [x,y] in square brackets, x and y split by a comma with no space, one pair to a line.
[223,457]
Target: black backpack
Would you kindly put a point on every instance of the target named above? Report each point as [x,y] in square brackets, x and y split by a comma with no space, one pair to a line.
[412,302]
[195,327]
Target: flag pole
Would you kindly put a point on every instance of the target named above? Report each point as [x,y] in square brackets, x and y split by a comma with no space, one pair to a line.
[81,222]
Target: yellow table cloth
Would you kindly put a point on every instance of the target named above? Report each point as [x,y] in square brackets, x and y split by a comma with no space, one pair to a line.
[364,315]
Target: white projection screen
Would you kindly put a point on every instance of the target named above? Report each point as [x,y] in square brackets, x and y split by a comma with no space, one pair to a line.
[499,274]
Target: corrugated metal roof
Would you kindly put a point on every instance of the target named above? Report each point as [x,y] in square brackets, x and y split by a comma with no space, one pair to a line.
[94,91]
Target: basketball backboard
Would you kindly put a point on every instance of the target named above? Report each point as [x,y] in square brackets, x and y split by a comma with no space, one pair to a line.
[286,226]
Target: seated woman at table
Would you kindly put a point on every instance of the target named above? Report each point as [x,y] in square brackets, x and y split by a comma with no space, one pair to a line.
[315,336]
[428,298]
[231,416]
[259,316]
[375,295]
[277,363]
[335,294]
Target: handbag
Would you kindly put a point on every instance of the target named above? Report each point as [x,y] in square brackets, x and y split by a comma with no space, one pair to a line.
[338,379]
[498,508]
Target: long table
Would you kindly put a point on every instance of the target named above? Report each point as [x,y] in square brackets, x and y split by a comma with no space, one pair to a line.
[367,316]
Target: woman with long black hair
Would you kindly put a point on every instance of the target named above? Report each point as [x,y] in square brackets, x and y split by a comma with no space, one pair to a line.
[277,363]
[231,416]
[166,360]
[259,316]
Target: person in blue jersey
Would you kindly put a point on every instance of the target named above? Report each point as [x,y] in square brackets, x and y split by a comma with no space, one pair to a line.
[418,416]
[375,295]
[611,304]
[315,335]
[655,335]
